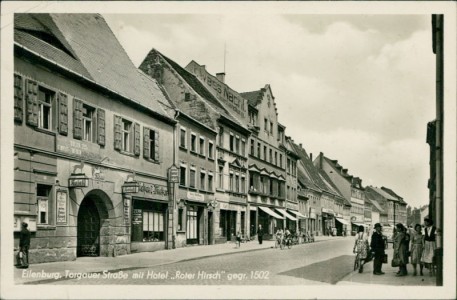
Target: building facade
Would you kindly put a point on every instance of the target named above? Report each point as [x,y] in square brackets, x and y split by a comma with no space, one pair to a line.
[91,164]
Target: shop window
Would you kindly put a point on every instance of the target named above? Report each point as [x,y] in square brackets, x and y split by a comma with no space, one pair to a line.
[202,146]
[183,138]
[210,149]
[45,105]
[192,178]
[153,226]
[193,142]
[182,176]
[180,219]
[210,182]
[43,196]
[202,181]
[191,223]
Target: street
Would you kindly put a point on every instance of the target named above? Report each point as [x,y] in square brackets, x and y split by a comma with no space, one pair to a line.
[316,263]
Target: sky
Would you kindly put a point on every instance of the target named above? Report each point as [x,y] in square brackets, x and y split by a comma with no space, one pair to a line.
[359,88]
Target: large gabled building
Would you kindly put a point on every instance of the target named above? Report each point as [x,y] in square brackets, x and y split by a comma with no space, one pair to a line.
[91,150]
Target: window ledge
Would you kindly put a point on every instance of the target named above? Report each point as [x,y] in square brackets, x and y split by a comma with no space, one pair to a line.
[183,148]
[46,131]
[192,188]
[193,152]
[220,190]
[127,153]
[202,155]
[211,158]
[152,161]
[46,227]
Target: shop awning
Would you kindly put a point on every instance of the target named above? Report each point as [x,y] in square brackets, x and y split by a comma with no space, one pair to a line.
[299,215]
[359,224]
[342,221]
[285,214]
[271,213]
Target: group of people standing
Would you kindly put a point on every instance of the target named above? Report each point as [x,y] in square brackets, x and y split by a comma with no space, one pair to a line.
[410,246]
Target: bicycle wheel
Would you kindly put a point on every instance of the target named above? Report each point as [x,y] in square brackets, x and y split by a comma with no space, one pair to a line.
[289,244]
[356,262]
[281,245]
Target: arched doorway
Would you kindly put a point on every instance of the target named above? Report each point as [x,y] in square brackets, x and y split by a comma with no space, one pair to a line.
[88,241]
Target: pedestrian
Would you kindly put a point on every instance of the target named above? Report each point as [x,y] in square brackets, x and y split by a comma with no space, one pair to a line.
[361,247]
[260,234]
[417,242]
[429,245]
[400,249]
[24,244]
[378,246]
[238,239]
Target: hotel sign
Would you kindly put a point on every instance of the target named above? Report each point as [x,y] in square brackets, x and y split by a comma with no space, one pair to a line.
[130,187]
[78,180]
[77,148]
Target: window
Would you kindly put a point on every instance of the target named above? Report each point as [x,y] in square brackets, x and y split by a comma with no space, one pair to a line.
[126,136]
[150,139]
[202,146]
[271,156]
[183,138]
[276,158]
[180,219]
[288,165]
[193,143]
[221,136]
[192,178]
[45,103]
[210,182]
[243,184]
[232,143]
[243,147]
[252,147]
[153,226]
[266,124]
[88,121]
[192,223]
[43,193]
[251,181]
[280,160]
[221,177]
[271,186]
[182,176]
[231,187]
[210,149]
[237,145]
[258,150]
[271,127]
[237,183]
[264,152]
[202,180]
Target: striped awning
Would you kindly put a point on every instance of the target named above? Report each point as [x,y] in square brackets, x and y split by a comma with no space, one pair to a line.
[299,215]
[285,214]
[271,212]
[342,221]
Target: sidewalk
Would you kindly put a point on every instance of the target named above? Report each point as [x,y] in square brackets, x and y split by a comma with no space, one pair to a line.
[34,274]
[389,278]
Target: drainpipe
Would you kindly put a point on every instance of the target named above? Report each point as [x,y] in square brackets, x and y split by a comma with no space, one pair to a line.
[175,162]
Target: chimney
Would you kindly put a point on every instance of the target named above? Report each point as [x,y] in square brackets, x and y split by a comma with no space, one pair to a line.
[301,145]
[311,157]
[321,158]
[221,77]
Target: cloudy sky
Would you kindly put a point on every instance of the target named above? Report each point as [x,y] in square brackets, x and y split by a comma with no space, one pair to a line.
[359,88]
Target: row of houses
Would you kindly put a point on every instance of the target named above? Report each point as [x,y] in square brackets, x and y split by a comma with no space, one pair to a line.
[111,159]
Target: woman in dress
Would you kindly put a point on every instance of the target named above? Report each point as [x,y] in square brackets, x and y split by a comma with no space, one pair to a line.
[416,249]
[361,246]
[429,245]
[400,249]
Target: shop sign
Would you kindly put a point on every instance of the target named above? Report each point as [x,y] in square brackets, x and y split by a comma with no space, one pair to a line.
[81,149]
[126,214]
[195,196]
[154,189]
[292,206]
[78,180]
[130,187]
[327,211]
[228,206]
[137,217]
[173,174]
[61,207]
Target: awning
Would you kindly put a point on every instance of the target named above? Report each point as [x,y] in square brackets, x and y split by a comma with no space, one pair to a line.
[342,221]
[360,224]
[270,212]
[285,214]
[299,215]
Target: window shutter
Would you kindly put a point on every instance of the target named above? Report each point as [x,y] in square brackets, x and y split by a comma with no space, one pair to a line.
[156,145]
[117,132]
[136,149]
[63,113]
[18,98]
[32,103]
[146,143]
[77,119]
[101,126]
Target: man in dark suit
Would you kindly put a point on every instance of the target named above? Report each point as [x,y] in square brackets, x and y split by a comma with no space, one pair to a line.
[24,244]
[378,245]
[260,234]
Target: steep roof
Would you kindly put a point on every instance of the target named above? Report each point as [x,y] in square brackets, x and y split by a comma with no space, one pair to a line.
[392,193]
[384,194]
[311,179]
[84,44]
[253,97]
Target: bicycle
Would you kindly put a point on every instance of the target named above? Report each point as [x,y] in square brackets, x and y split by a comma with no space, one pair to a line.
[358,263]
[286,242]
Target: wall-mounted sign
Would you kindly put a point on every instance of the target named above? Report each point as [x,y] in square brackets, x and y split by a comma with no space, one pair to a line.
[173,174]
[137,217]
[195,196]
[130,187]
[126,214]
[61,207]
[228,206]
[78,180]
[81,149]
